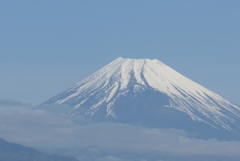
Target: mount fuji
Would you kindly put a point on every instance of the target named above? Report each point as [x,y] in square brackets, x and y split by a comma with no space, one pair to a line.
[149,93]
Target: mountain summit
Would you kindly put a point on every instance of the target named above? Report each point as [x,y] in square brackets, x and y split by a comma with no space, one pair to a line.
[148,92]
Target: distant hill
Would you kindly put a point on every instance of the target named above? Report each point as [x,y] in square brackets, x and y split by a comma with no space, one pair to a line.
[16,152]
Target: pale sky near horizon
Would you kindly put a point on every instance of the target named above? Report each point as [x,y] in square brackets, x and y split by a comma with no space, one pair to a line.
[48,46]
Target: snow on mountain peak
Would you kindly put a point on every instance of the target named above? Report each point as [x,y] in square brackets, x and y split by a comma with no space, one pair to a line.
[122,76]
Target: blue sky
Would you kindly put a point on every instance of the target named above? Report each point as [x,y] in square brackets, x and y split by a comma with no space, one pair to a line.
[47,46]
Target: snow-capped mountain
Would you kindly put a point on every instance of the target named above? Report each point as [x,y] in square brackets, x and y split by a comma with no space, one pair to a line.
[145,91]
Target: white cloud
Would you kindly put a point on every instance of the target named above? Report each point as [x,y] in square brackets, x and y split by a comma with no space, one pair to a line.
[109,141]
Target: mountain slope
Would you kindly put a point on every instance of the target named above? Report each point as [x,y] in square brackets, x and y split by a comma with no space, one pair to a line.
[133,90]
[17,152]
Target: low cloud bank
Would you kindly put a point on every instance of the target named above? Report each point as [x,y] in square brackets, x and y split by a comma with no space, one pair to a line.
[106,141]
[6,104]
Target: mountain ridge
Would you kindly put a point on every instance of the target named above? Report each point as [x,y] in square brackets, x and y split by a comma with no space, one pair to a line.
[12,151]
